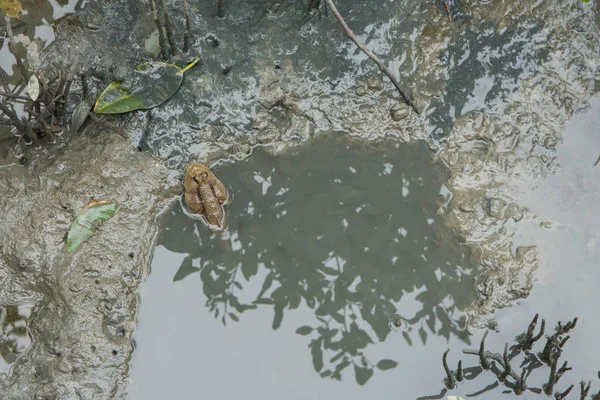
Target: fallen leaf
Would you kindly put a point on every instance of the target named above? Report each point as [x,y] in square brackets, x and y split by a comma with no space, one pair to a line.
[155,82]
[11,8]
[87,221]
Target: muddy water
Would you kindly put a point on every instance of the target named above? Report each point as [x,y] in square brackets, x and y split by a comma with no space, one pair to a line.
[325,246]
[497,88]
[566,231]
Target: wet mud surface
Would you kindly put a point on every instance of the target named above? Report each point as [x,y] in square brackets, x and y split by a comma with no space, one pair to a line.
[84,304]
[496,90]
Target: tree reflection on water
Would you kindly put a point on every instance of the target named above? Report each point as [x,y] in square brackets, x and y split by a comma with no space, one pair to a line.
[14,337]
[347,229]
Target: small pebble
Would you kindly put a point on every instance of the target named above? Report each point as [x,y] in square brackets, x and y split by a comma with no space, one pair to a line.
[374,83]
[399,112]
[360,91]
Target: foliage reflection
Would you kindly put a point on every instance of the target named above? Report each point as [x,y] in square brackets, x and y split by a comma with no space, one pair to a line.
[345,228]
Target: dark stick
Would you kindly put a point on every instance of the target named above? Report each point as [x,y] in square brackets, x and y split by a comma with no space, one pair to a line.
[108,125]
[4,80]
[450,382]
[220,10]
[539,335]
[561,396]
[14,96]
[169,28]
[459,372]
[370,54]
[13,49]
[521,383]
[485,364]
[492,356]
[584,389]
[188,27]
[161,34]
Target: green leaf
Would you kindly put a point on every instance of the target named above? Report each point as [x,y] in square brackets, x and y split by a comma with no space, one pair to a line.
[86,223]
[386,364]
[154,83]
[12,8]
[304,330]
[362,374]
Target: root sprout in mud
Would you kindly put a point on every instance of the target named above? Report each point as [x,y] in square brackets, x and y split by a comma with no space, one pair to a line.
[500,364]
[45,111]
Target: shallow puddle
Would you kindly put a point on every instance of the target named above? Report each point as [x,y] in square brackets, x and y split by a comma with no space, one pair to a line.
[567,234]
[326,247]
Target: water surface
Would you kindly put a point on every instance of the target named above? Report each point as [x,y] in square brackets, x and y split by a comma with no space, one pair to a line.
[325,245]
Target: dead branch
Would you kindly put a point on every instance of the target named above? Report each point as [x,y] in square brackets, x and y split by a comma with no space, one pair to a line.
[169,28]
[12,48]
[188,27]
[450,381]
[370,54]
[220,9]
[164,47]
[561,396]
[14,96]
[584,389]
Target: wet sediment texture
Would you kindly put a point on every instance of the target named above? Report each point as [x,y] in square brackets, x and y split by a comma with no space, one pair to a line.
[86,302]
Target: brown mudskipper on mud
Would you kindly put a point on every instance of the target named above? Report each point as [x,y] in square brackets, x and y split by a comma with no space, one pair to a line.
[205,195]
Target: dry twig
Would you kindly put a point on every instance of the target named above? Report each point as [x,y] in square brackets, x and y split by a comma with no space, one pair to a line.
[370,54]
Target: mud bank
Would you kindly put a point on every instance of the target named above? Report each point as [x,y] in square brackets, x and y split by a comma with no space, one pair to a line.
[85,302]
[495,92]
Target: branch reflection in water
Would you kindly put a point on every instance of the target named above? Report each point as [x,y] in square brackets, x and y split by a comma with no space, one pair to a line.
[14,335]
[343,227]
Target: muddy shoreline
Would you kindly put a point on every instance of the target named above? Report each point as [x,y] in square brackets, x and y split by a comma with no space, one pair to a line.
[86,303]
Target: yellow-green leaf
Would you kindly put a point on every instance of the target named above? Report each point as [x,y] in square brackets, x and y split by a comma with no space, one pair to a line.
[87,221]
[154,83]
[12,8]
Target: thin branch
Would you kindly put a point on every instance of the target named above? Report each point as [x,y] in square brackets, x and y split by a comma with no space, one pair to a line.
[450,381]
[370,54]
[584,389]
[220,9]
[164,47]
[14,96]
[188,27]
[169,28]
[108,125]
[12,48]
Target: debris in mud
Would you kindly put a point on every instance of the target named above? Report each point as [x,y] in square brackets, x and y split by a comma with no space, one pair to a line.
[86,223]
[348,32]
[12,8]
[45,107]
[502,364]
[166,35]
[155,83]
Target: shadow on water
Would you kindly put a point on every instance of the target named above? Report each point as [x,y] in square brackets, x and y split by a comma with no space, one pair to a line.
[347,229]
